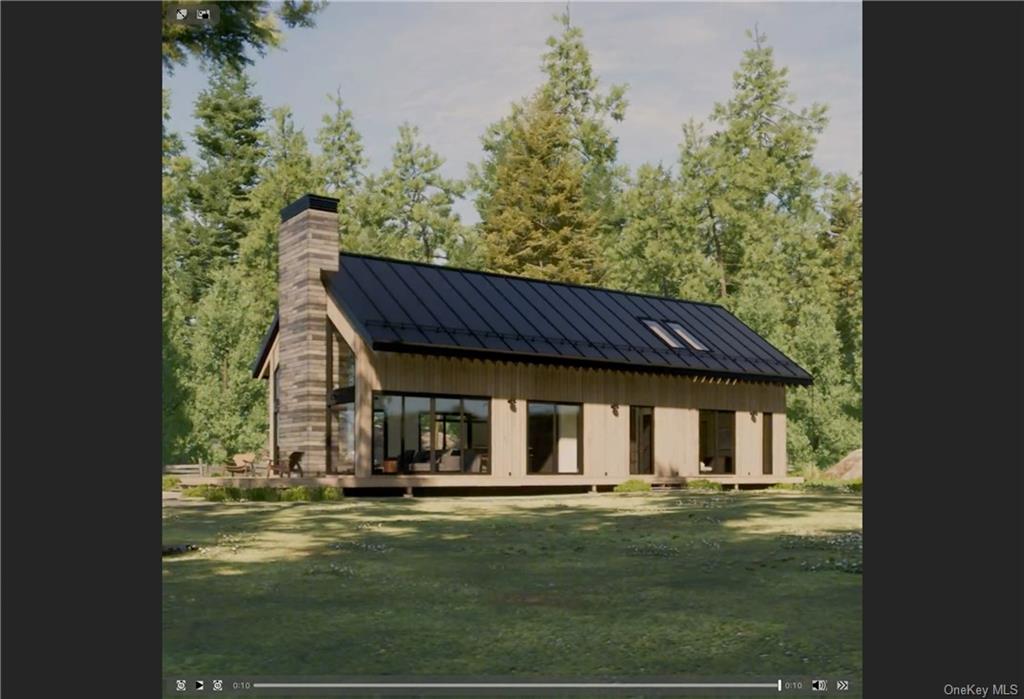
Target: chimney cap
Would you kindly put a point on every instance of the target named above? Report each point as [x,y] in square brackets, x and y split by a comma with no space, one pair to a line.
[309,201]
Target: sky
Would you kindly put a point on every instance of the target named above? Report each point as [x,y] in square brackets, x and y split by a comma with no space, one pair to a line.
[454,68]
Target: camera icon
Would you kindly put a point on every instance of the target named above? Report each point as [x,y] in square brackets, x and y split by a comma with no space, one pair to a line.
[203,13]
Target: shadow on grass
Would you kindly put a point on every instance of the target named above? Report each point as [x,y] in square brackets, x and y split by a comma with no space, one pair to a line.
[586,585]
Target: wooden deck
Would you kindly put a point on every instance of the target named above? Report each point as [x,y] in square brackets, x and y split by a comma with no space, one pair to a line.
[469,481]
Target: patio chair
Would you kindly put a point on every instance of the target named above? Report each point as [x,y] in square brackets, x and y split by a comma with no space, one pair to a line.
[243,464]
[294,464]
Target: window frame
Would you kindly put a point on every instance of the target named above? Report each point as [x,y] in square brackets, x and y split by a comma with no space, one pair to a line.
[579,436]
[485,469]
[634,444]
[716,429]
[687,336]
[662,334]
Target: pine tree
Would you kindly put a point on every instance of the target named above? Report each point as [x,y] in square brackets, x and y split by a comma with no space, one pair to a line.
[406,211]
[341,161]
[242,26]
[227,409]
[843,242]
[753,196]
[572,90]
[219,209]
[341,164]
[658,251]
[175,172]
[231,147]
[286,173]
[537,222]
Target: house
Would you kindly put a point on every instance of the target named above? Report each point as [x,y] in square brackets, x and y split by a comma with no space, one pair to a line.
[386,373]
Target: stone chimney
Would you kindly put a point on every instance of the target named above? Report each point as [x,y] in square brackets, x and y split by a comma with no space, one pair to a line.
[307,244]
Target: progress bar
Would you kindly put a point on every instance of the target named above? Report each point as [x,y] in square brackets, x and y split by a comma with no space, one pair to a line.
[518,685]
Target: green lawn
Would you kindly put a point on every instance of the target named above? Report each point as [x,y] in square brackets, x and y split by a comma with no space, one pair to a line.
[755,583]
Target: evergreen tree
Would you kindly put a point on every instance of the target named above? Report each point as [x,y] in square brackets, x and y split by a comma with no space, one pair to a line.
[341,163]
[537,222]
[572,91]
[216,192]
[286,173]
[843,242]
[753,196]
[175,424]
[658,251]
[406,211]
[227,408]
[242,26]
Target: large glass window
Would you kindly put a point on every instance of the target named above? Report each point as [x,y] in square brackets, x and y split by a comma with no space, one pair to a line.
[553,433]
[767,467]
[274,457]
[641,439]
[343,438]
[341,451]
[717,441]
[430,434]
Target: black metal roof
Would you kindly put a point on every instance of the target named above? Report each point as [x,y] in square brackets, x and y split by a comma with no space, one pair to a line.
[414,307]
[265,345]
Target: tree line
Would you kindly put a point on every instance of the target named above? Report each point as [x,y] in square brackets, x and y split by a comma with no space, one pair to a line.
[742,217]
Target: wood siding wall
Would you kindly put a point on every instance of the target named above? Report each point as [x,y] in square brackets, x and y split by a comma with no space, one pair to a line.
[677,401]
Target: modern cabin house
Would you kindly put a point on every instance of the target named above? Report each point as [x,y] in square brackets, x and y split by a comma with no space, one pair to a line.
[385,373]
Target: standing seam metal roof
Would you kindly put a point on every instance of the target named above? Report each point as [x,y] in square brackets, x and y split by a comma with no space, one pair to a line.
[415,307]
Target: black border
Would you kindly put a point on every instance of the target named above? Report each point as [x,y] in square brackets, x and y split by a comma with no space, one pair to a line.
[81,353]
[942,181]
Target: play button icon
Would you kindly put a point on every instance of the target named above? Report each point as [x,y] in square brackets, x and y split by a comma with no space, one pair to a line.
[200,685]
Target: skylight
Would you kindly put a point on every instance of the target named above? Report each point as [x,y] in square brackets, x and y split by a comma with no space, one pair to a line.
[663,334]
[690,339]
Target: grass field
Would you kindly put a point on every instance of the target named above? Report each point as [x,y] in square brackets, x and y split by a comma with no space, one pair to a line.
[755,583]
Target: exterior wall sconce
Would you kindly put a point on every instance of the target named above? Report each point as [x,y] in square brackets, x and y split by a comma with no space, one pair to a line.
[512,404]
[615,409]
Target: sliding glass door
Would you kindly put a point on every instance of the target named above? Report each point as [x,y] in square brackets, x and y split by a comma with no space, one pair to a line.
[717,441]
[418,434]
[641,440]
[553,433]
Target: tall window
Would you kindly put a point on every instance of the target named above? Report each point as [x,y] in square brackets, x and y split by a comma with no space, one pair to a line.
[717,441]
[767,467]
[553,433]
[430,434]
[641,439]
[275,456]
[341,412]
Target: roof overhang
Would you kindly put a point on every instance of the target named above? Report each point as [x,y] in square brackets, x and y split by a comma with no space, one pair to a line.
[557,360]
[259,365]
